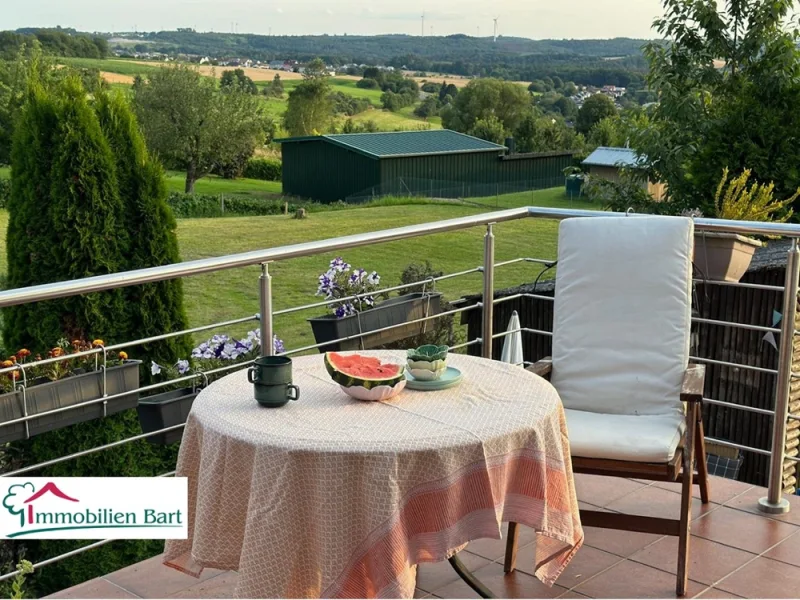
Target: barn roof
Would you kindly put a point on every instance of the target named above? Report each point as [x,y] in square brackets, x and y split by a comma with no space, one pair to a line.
[397,144]
[612,157]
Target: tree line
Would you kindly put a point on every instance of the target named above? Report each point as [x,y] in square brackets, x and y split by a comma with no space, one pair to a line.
[57,42]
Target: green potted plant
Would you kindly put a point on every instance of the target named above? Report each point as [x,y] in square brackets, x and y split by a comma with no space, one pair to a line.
[350,317]
[72,381]
[171,407]
[721,256]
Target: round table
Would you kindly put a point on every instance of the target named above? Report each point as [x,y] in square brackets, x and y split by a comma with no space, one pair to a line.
[333,497]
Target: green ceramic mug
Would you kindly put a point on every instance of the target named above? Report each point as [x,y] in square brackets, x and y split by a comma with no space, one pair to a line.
[271,377]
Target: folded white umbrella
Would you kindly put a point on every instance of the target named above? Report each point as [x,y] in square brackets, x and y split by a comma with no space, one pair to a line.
[512,344]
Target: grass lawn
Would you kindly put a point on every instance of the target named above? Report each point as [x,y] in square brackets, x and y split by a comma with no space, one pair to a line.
[234,293]
[213,184]
[389,121]
[230,294]
[346,86]
[550,198]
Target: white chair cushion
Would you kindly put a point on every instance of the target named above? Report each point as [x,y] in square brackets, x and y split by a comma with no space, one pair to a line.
[622,314]
[646,438]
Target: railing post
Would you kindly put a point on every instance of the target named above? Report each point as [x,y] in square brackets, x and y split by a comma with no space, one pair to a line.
[488,291]
[775,503]
[265,297]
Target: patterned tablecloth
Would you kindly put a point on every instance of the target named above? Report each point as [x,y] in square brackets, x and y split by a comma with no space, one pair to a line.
[333,497]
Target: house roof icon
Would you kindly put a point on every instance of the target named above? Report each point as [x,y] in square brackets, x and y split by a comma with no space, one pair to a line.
[51,488]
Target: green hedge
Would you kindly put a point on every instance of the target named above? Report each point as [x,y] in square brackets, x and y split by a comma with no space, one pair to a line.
[192,206]
[266,169]
[5,192]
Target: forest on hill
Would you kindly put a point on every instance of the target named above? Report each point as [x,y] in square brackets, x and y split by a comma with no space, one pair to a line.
[594,62]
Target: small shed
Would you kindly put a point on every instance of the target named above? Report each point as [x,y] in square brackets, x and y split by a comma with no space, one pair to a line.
[440,162]
[606,162]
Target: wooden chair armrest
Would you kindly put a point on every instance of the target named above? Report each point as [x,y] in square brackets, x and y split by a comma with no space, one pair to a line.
[542,367]
[693,383]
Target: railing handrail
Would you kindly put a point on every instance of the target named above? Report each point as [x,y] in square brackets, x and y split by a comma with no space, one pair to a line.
[99,283]
[789,230]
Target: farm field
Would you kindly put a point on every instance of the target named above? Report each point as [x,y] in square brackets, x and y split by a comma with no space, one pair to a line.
[230,294]
[120,73]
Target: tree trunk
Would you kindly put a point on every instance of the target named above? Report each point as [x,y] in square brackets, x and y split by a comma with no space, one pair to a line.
[191,177]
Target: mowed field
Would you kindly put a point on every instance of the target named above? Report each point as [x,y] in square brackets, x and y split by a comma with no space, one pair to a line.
[234,293]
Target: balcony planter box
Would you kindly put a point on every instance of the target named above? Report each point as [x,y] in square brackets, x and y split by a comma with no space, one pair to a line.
[722,256]
[394,311]
[165,410]
[70,391]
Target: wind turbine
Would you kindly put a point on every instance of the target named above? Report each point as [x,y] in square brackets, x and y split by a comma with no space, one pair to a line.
[422,29]
[495,27]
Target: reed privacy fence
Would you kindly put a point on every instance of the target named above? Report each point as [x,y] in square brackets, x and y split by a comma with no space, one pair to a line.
[488,331]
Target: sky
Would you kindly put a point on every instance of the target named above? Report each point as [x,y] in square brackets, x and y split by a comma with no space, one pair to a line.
[537,19]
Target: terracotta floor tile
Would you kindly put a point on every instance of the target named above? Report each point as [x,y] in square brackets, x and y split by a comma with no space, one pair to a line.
[221,586]
[600,491]
[715,593]
[722,489]
[587,563]
[514,585]
[95,588]
[432,576]
[496,549]
[739,529]
[657,502]
[749,502]
[787,551]
[634,580]
[151,579]
[621,543]
[763,578]
[708,561]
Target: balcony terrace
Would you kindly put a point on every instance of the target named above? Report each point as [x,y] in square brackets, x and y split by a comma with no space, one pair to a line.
[736,550]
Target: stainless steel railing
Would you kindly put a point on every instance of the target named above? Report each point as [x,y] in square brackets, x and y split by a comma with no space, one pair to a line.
[772,503]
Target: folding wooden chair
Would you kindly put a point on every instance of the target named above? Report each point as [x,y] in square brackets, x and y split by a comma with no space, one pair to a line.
[620,364]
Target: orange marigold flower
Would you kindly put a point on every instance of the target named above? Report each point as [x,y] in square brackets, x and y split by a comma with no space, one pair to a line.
[76,342]
[98,343]
[7,363]
[123,356]
[23,353]
[13,359]
[56,352]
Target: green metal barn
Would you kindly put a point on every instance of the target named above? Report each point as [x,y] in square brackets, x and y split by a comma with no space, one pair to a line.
[438,163]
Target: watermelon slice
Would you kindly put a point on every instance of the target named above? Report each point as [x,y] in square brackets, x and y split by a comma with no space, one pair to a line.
[355,370]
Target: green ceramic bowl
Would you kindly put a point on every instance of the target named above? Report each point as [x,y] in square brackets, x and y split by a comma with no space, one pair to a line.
[429,353]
